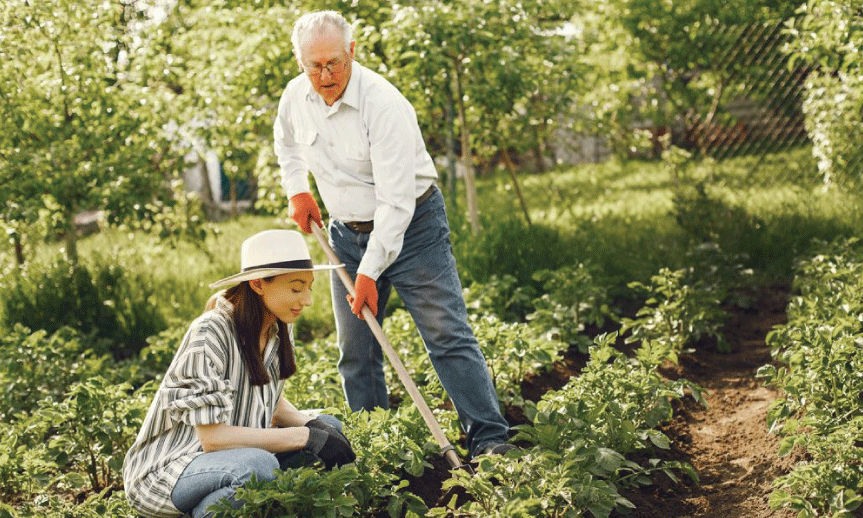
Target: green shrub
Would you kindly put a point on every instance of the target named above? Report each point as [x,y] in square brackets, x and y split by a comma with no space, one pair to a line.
[38,366]
[388,444]
[679,311]
[509,246]
[501,295]
[99,423]
[819,375]
[109,301]
[573,297]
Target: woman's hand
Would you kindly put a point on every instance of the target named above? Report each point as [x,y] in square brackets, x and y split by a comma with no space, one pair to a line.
[287,415]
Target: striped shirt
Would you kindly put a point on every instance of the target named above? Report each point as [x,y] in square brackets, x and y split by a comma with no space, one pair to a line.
[207,383]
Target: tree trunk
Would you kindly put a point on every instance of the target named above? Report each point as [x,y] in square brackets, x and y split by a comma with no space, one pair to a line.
[511,168]
[71,239]
[234,208]
[469,180]
[450,150]
[206,187]
[19,250]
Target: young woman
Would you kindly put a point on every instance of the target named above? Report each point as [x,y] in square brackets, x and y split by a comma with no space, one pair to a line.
[219,416]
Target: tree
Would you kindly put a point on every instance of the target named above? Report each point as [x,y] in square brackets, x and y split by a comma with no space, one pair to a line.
[80,130]
[656,60]
[828,35]
[490,61]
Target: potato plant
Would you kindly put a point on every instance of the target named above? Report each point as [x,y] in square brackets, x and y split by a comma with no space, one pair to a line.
[820,373]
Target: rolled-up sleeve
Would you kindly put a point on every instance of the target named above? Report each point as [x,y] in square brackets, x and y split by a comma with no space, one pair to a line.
[196,390]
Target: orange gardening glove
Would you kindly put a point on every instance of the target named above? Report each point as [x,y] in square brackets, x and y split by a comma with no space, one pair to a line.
[304,208]
[367,294]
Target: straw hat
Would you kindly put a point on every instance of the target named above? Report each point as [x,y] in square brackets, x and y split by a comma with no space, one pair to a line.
[270,253]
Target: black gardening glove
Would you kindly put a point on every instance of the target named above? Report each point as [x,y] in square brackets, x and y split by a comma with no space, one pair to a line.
[332,430]
[332,449]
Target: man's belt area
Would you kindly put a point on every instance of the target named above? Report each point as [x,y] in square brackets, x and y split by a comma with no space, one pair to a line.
[364,227]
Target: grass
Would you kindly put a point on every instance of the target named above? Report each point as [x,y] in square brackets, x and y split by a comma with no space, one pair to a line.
[627,219]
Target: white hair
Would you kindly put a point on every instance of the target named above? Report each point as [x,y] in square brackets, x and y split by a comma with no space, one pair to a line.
[318,22]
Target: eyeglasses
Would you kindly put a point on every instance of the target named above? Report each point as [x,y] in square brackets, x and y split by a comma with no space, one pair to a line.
[332,67]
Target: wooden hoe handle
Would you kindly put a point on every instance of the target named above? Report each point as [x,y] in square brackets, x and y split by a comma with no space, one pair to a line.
[446,448]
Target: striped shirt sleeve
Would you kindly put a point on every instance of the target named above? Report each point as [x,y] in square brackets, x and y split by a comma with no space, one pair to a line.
[195,390]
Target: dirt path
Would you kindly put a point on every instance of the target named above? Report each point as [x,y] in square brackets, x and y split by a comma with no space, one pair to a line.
[727,443]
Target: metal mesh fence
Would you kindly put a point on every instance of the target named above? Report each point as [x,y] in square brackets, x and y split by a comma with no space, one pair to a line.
[758,104]
[764,102]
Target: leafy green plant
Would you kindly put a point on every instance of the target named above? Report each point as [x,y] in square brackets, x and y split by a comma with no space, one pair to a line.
[108,502]
[388,445]
[513,351]
[505,245]
[572,298]
[539,483]
[502,295]
[105,299]
[677,313]
[581,435]
[95,426]
[616,402]
[39,366]
[820,360]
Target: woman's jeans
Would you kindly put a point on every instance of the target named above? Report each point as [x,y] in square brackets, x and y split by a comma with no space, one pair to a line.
[212,476]
[425,277]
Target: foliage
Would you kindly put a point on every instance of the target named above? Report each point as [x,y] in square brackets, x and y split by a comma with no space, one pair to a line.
[827,36]
[75,443]
[820,356]
[513,352]
[572,298]
[106,299]
[80,131]
[616,402]
[228,65]
[540,483]
[656,62]
[581,433]
[39,366]
[105,503]
[503,246]
[388,445]
[502,296]
[707,218]
[680,310]
[97,422]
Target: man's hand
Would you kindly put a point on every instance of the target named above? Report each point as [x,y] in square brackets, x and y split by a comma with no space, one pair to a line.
[304,209]
[367,294]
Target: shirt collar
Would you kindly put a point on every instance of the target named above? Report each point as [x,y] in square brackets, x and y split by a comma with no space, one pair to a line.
[351,95]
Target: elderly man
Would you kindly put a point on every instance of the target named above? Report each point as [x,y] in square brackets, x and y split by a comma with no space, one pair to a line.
[359,137]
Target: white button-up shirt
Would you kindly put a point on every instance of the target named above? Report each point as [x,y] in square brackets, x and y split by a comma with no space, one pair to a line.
[366,153]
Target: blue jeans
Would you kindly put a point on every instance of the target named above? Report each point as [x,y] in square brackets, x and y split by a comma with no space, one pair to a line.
[425,277]
[212,476]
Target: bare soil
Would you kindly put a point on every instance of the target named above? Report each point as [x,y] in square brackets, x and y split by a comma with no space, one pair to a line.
[726,442]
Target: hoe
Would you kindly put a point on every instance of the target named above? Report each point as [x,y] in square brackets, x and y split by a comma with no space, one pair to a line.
[447,449]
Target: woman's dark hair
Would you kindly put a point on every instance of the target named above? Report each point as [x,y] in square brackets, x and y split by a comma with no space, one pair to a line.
[248,316]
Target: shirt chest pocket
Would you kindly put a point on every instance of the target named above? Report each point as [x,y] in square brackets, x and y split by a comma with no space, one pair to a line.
[358,157]
[306,137]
